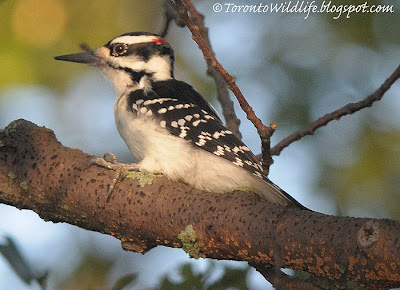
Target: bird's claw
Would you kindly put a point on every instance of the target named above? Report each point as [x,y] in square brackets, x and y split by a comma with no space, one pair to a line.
[109,161]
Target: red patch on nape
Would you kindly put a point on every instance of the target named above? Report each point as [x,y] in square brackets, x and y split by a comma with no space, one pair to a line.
[159,41]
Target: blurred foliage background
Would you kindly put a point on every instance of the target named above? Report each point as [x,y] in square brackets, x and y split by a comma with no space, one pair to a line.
[292,70]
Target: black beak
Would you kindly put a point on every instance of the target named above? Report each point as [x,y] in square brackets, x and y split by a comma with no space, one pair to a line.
[87,57]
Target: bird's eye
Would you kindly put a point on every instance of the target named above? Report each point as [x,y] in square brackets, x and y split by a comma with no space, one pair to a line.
[119,49]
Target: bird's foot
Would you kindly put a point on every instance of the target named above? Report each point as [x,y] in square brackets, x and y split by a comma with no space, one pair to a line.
[109,161]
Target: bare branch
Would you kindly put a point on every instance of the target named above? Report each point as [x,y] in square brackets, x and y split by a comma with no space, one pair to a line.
[282,281]
[228,110]
[266,157]
[336,115]
[38,173]
[170,14]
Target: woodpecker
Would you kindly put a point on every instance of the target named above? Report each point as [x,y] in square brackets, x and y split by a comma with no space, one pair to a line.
[168,126]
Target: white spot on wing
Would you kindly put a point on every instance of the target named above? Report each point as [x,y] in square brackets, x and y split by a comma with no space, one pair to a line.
[184,131]
[201,142]
[159,100]
[245,148]
[220,151]
[241,149]
[216,135]
[227,148]
[196,123]
[238,162]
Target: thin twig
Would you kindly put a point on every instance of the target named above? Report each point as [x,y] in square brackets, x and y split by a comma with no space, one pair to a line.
[282,281]
[264,131]
[228,110]
[266,156]
[336,115]
[164,29]
[170,14]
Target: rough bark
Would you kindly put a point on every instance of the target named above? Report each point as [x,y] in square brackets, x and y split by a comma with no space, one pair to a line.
[40,174]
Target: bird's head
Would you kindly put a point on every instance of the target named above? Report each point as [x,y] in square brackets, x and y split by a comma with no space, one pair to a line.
[129,59]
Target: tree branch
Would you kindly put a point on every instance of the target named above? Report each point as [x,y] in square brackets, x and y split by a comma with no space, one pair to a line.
[336,115]
[228,110]
[170,14]
[38,173]
[282,281]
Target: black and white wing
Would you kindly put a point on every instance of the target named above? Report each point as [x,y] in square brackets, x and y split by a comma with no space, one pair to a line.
[186,114]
